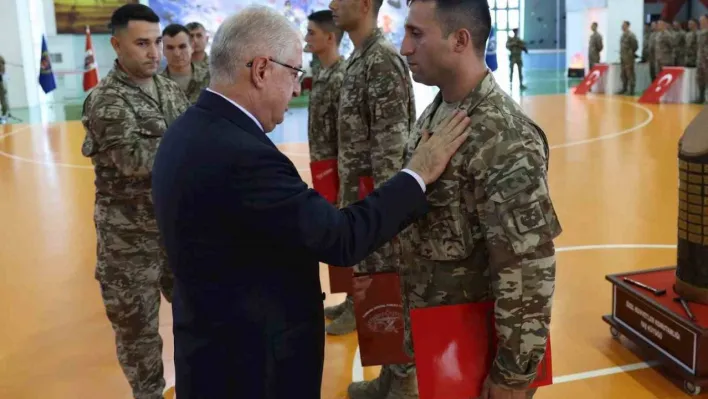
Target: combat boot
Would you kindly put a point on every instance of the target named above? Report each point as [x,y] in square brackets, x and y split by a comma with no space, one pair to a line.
[345,322]
[332,312]
[375,389]
[631,90]
[404,387]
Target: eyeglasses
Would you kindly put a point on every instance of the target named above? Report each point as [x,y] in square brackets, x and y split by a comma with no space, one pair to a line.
[300,72]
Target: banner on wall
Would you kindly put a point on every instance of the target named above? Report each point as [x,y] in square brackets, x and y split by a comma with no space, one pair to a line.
[211,13]
[73,16]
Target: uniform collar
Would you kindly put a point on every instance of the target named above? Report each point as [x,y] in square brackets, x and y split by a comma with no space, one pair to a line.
[373,38]
[473,99]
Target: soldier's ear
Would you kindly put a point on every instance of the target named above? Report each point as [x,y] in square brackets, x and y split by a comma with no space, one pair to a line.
[116,44]
[462,38]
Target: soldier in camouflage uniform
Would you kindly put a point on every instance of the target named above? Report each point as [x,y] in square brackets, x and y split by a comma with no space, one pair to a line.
[191,77]
[200,39]
[702,61]
[376,115]
[595,46]
[323,38]
[124,118]
[692,43]
[628,48]
[4,107]
[679,37]
[488,235]
[515,46]
[663,47]
[651,50]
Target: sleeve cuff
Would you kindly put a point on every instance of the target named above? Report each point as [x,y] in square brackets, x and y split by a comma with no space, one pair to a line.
[417,178]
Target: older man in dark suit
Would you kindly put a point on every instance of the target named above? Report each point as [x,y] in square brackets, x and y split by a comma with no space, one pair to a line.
[244,234]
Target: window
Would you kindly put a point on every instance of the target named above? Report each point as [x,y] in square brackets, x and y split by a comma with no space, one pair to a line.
[506,15]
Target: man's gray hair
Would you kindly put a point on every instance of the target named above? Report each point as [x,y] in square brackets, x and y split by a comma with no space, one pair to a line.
[255,31]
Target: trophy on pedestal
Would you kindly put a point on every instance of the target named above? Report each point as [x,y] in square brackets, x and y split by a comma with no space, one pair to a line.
[692,263]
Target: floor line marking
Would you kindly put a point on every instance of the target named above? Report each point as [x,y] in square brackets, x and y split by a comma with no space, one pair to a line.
[358,371]
[650,117]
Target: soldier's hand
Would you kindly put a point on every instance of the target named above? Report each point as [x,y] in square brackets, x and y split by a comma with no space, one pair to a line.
[435,150]
[491,390]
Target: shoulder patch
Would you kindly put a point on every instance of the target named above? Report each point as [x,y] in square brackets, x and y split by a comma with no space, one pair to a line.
[529,217]
[513,183]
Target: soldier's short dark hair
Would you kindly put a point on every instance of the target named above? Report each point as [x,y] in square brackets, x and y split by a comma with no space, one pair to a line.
[131,12]
[473,15]
[324,19]
[377,6]
[173,30]
[194,26]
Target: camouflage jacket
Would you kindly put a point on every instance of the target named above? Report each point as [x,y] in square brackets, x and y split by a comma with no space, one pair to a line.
[323,111]
[488,235]
[628,47]
[702,60]
[199,81]
[663,49]
[376,114]
[515,46]
[124,125]
[651,46]
[679,40]
[691,48]
[595,47]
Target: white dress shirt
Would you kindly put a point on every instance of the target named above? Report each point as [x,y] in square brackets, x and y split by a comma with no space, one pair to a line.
[410,172]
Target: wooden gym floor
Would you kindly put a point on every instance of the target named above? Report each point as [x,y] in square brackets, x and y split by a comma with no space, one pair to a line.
[613,177]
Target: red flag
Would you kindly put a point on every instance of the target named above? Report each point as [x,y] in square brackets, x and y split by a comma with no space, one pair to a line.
[90,67]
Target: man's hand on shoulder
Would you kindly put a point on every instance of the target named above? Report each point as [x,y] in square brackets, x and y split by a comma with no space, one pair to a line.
[435,151]
[490,390]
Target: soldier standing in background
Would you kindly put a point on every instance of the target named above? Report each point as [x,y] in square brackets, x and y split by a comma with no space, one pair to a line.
[651,50]
[376,115]
[323,38]
[488,235]
[595,46]
[199,43]
[702,62]
[663,47]
[628,48]
[515,46]
[679,38]
[692,43]
[4,107]
[191,77]
[124,118]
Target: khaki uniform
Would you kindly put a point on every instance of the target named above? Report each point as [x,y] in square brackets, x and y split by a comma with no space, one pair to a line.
[193,85]
[489,231]
[679,40]
[663,50]
[702,64]
[594,49]
[323,112]
[4,105]
[515,46]
[691,48]
[628,47]
[124,123]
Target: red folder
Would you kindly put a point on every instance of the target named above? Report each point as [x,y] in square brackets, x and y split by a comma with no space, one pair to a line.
[325,178]
[366,186]
[453,361]
[340,279]
[379,319]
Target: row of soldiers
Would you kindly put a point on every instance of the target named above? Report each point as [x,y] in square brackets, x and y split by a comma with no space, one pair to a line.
[362,114]
[664,44]
[667,44]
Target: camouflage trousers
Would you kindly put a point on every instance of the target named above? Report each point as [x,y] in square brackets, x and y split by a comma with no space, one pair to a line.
[627,75]
[132,272]
[4,106]
[702,79]
[519,66]
[426,283]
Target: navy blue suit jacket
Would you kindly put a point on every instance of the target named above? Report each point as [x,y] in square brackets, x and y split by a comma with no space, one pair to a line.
[244,236]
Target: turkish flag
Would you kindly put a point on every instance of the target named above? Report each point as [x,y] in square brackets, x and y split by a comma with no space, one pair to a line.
[661,85]
[90,67]
[595,74]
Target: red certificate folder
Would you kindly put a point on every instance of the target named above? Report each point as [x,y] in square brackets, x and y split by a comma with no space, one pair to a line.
[340,278]
[379,319]
[325,178]
[455,346]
